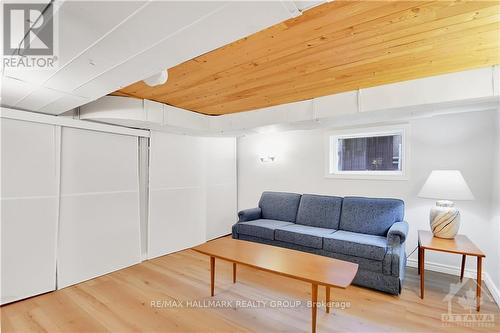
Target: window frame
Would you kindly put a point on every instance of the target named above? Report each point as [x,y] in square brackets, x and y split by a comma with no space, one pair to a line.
[332,144]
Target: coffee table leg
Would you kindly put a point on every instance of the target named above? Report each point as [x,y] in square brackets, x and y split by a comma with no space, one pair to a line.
[234,272]
[327,299]
[462,268]
[479,278]
[421,257]
[418,261]
[212,275]
[314,308]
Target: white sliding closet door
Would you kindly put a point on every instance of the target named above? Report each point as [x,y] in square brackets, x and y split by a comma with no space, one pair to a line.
[221,190]
[29,198]
[177,193]
[99,213]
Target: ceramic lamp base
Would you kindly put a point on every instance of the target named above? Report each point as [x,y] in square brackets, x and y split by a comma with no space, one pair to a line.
[445,219]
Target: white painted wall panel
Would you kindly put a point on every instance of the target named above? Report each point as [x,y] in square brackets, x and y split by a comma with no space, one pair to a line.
[494,268]
[176,220]
[475,83]
[99,213]
[192,191]
[113,107]
[220,160]
[153,111]
[174,116]
[176,161]
[221,187]
[335,105]
[220,123]
[176,211]
[299,111]
[29,203]
[221,201]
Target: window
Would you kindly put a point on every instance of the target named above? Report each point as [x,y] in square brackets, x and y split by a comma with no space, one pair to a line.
[367,153]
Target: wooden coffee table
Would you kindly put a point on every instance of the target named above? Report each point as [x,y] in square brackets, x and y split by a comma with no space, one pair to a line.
[315,269]
[461,244]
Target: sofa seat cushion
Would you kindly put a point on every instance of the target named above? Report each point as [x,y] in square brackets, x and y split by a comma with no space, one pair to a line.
[319,211]
[302,235]
[356,244]
[262,228]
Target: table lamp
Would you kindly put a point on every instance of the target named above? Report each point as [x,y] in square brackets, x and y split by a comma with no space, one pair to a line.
[445,185]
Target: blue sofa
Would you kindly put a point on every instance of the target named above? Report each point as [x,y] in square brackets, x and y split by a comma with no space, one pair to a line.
[367,231]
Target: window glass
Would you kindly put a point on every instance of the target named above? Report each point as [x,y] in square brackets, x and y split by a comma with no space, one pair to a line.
[374,153]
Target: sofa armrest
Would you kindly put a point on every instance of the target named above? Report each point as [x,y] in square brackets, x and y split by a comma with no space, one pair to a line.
[397,233]
[249,214]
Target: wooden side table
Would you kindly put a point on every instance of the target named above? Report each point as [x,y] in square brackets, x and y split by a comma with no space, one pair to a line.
[459,245]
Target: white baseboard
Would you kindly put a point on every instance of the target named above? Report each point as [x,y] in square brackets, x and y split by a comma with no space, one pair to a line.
[454,270]
[492,287]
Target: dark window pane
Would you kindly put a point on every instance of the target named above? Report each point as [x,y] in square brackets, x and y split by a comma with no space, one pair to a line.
[382,153]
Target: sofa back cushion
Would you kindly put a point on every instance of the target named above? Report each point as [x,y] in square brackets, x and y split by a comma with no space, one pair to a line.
[280,206]
[372,216]
[319,211]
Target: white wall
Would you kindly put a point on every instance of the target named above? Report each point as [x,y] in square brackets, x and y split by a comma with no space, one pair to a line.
[221,188]
[192,191]
[495,217]
[463,141]
[176,193]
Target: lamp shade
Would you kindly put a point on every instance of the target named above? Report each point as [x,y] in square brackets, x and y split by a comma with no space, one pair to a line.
[446,185]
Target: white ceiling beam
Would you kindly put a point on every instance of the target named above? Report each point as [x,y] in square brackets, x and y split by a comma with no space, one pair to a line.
[350,108]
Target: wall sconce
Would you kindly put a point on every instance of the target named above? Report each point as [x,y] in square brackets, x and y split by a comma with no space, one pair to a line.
[267,159]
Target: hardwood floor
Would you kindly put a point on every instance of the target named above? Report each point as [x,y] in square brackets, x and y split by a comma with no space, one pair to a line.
[123,302]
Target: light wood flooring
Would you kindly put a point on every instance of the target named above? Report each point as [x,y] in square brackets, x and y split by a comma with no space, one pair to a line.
[122,302]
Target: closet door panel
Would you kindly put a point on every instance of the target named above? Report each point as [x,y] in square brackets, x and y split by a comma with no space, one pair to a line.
[99,214]
[28,247]
[29,152]
[98,162]
[99,234]
[29,200]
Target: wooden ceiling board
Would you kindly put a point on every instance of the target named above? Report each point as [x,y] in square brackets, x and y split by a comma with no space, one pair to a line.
[336,47]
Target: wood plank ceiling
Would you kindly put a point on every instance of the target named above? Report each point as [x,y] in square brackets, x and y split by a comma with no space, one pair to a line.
[335,47]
